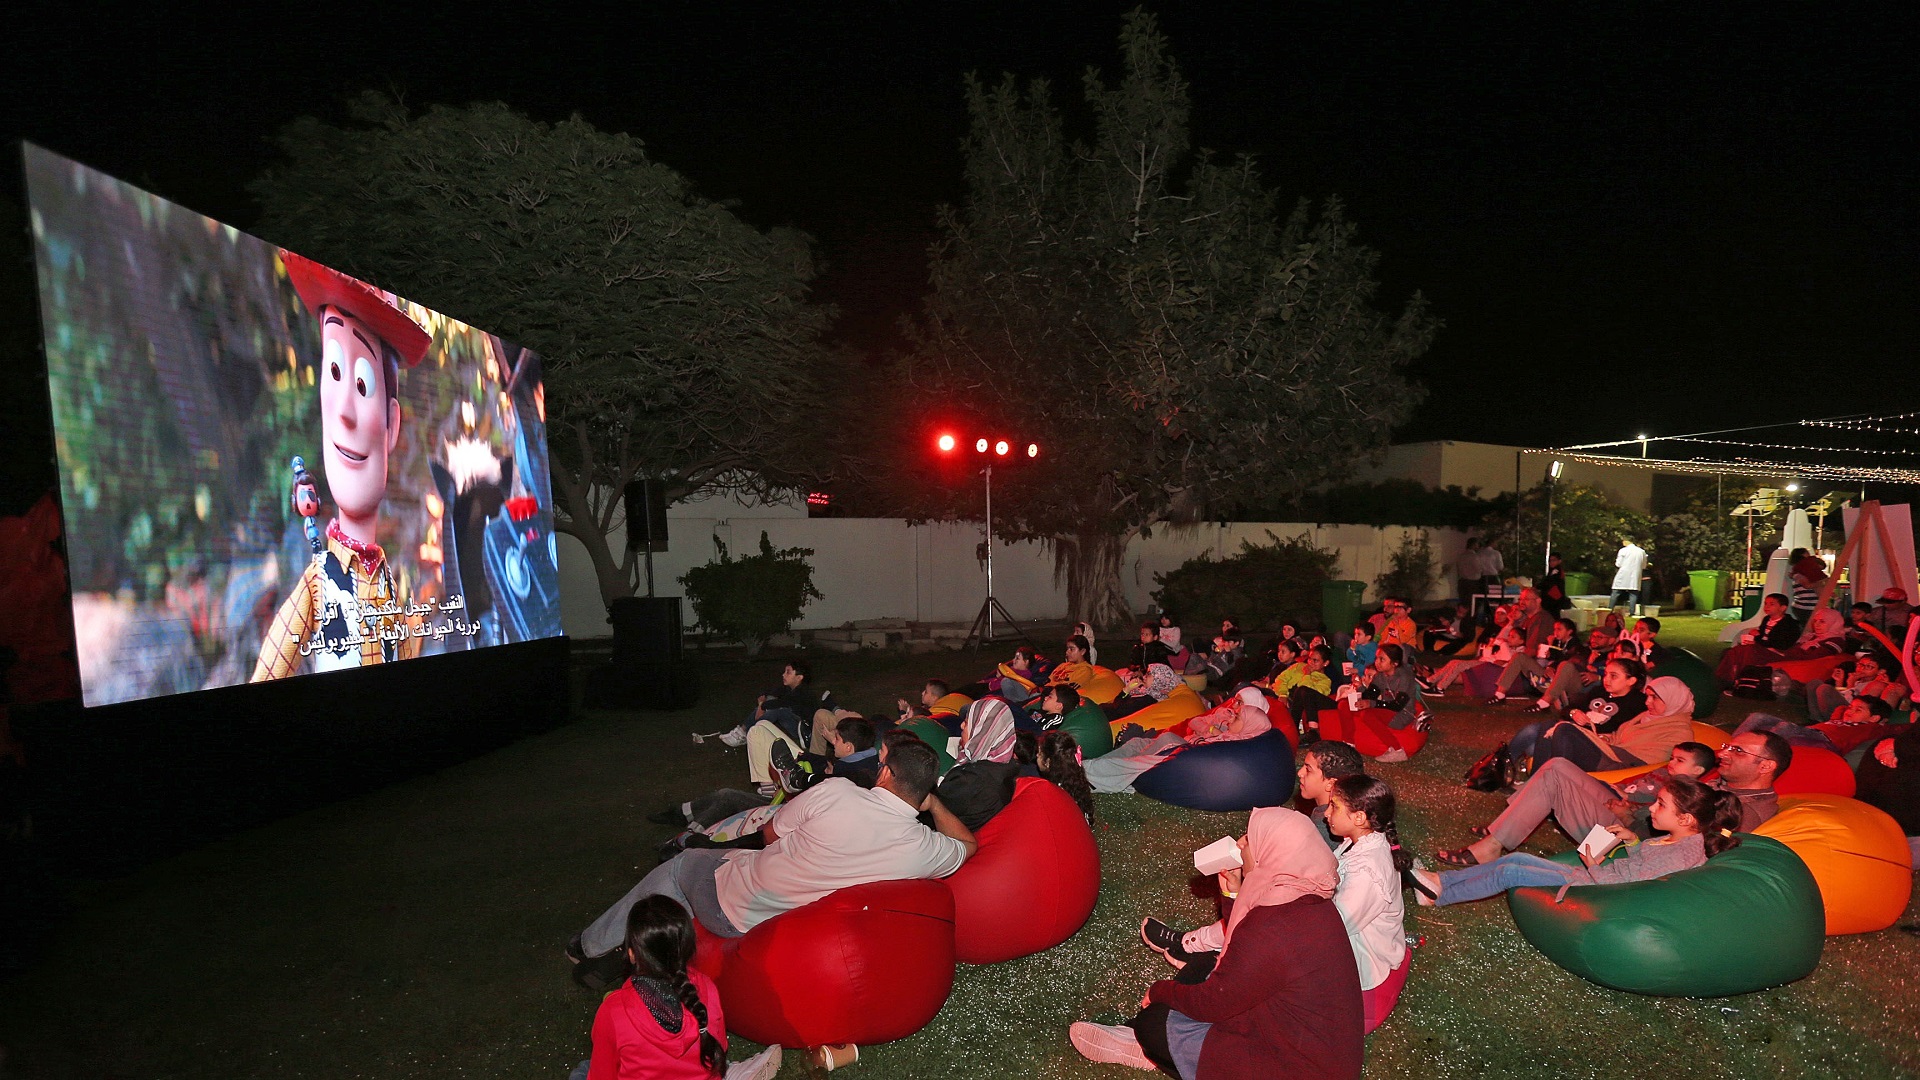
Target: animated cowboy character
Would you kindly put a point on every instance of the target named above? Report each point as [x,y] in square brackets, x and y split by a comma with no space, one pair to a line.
[343,611]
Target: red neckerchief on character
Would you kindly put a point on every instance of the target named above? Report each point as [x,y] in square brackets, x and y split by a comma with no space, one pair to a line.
[372,553]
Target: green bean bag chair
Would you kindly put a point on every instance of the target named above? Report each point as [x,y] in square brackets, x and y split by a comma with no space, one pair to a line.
[931,733]
[1089,727]
[1697,674]
[1749,919]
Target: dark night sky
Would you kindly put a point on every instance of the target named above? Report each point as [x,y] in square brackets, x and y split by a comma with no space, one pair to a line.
[1632,217]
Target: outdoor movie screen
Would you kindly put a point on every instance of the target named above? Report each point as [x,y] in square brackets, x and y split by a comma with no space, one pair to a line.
[270,468]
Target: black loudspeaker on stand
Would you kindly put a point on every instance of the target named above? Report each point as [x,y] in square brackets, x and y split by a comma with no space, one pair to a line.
[648,668]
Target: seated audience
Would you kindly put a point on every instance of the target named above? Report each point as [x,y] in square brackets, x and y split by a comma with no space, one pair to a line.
[1449,631]
[1863,720]
[1360,650]
[833,835]
[1062,709]
[1493,654]
[1665,721]
[1397,626]
[1578,801]
[1866,676]
[1771,640]
[1384,703]
[1371,863]
[1014,681]
[1077,670]
[1698,822]
[1304,683]
[986,732]
[1620,697]
[665,1019]
[1892,613]
[1085,630]
[1533,626]
[1057,760]
[1282,999]
[1222,658]
[1242,716]
[1143,690]
[1642,641]
[785,715]
[1148,651]
[1321,765]
[1889,778]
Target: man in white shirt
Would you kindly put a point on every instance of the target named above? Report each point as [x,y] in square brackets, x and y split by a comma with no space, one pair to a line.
[1632,563]
[831,836]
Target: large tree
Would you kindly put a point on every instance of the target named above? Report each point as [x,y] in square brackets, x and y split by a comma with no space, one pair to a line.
[1177,342]
[679,342]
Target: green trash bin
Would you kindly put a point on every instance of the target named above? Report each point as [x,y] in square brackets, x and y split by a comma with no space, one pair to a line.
[1709,588]
[1579,584]
[1340,605]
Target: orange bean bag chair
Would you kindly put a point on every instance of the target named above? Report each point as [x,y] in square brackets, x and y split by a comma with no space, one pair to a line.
[1705,734]
[1816,771]
[865,964]
[1103,688]
[1182,704]
[1032,882]
[950,705]
[1858,854]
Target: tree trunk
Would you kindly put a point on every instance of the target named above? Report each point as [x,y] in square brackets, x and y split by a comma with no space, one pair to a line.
[1089,565]
[615,578]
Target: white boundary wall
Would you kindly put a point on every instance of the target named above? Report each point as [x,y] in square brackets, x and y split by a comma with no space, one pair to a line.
[878,568]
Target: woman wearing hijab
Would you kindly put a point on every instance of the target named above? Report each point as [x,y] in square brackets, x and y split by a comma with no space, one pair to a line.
[1239,717]
[1642,740]
[986,732]
[1283,996]
[1144,690]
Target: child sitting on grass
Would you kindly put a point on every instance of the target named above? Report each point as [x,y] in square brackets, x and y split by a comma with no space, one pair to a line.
[665,1021]
[1698,822]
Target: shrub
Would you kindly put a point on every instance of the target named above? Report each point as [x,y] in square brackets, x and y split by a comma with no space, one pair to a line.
[751,599]
[1411,569]
[1261,586]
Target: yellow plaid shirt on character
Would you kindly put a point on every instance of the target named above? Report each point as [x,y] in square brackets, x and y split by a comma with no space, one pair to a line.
[314,628]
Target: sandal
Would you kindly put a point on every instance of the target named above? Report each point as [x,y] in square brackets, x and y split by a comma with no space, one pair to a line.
[1461,857]
[1477,830]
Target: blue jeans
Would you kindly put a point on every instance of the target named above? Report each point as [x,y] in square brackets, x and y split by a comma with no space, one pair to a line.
[1522,743]
[1515,871]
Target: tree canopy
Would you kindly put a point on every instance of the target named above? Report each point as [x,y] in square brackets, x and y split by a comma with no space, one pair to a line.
[679,342]
[1177,342]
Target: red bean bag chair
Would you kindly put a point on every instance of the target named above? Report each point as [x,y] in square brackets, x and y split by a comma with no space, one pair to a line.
[1032,882]
[1816,771]
[1858,854]
[866,964]
[1806,671]
[1367,730]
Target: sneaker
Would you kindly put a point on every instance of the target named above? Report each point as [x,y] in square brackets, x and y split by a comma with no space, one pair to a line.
[736,737]
[1426,684]
[601,974]
[1109,1043]
[1164,940]
[670,816]
[786,771]
[1131,731]
[767,791]
[760,1066]
[1393,756]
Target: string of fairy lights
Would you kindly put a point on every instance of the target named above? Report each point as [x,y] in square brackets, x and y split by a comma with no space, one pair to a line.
[1751,457]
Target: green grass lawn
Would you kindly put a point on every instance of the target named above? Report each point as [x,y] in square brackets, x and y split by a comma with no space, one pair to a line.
[417,931]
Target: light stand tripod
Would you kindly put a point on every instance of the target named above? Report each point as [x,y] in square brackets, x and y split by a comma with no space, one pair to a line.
[984,620]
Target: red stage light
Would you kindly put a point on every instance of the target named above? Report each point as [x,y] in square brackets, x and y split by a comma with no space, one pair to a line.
[981,446]
[1001,448]
[945,443]
[1033,449]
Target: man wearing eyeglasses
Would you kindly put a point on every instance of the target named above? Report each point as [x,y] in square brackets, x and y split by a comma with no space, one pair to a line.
[1749,764]
[1578,800]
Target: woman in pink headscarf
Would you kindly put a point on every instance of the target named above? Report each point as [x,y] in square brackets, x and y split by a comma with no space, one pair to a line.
[1283,996]
[986,732]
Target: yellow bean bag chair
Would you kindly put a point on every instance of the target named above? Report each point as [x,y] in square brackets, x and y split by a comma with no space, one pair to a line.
[1706,734]
[1182,704]
[1858,855]
[1103,687]
[951,705]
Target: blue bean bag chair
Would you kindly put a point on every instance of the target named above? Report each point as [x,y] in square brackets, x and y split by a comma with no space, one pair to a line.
[1224,776]
[1749,919]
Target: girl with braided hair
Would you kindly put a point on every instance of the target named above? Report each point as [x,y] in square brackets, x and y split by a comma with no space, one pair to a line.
[1057,757]
[665,1022]
[1360,811]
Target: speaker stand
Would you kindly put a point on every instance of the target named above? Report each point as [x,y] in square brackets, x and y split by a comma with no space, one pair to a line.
[982,631]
